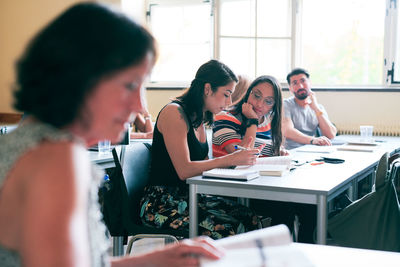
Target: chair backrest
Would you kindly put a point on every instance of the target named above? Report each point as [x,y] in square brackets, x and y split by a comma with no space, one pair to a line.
[135,163]
[122,204]
[395,172]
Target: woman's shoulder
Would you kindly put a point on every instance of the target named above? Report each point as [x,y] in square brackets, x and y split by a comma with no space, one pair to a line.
[50,160]
[173,111]
[172,107]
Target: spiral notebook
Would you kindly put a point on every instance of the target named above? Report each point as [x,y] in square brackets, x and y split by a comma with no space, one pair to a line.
[231,174]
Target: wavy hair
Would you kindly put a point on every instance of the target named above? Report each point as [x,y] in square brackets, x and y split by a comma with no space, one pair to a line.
[68,58]
[215,73]
[276,111]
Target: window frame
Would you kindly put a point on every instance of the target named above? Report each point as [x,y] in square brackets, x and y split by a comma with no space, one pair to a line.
[391,39]
[168,85]
[391,42]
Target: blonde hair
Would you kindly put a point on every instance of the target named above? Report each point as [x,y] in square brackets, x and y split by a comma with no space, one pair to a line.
[240,88]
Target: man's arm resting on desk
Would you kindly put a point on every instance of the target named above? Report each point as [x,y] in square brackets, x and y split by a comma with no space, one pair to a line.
[327,128]
[293,134]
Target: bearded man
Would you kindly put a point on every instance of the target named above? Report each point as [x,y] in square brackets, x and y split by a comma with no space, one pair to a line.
[303,116]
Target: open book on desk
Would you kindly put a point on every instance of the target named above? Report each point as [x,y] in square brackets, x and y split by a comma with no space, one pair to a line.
[265,247]
[270,166]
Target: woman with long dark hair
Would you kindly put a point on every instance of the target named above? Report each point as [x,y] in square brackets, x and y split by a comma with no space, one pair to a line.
[180,151]
[255,119]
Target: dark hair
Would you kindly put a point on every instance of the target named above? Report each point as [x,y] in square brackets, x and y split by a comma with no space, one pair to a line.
[67,59]
[297,71]
[276,111]
[215,73]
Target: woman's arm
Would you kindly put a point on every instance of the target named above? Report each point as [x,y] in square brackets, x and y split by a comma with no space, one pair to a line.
[55,186]
[249,137]
[136,135]
[173,125]
[143,122]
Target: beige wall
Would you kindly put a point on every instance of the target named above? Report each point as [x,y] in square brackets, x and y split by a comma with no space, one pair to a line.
[20,19]
[348,110]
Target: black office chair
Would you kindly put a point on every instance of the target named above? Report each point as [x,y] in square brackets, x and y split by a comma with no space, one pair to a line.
[121,202]
[372,222]
[394,164]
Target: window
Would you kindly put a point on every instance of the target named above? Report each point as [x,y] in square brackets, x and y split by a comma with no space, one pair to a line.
[255,36]
[392,44]
[184,35]
[341,42]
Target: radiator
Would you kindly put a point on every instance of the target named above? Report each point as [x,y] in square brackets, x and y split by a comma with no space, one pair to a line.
[379,130]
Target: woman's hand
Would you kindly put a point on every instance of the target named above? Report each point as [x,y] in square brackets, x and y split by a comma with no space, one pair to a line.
[248,111]
[244,157]
[283,152]
[186,253]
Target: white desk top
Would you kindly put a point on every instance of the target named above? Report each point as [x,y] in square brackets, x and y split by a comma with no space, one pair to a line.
[332,256]
[319,179]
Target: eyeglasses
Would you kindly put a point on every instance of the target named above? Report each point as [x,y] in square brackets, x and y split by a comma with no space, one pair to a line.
[268,101]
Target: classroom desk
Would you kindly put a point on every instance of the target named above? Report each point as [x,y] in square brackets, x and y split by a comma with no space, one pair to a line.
[106,161]
[307,184]
[306,255]
[332,256]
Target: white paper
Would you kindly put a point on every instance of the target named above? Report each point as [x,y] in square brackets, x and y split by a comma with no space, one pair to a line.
[274,249]
[316,149]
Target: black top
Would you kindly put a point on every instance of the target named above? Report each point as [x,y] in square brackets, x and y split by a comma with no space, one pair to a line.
[162,171]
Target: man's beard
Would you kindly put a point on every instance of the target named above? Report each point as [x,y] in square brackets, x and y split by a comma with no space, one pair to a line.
[302,95]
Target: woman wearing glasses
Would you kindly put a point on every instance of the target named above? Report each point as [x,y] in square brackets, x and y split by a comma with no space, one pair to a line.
[256,118]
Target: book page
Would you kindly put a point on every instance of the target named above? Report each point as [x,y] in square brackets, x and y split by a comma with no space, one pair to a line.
[270,236]
[271,246]
[280,160]
[270,166]
[278,256]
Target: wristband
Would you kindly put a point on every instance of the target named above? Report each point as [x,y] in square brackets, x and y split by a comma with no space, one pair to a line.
[319,113]
[251,122]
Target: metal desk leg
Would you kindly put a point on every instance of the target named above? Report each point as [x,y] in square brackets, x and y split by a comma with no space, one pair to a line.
[118,246]
[321,220]
[193,220]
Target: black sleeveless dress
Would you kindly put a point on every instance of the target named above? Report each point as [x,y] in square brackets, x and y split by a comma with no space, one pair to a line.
[165,200]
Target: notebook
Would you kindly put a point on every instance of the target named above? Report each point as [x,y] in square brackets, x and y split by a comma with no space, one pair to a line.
[231,174]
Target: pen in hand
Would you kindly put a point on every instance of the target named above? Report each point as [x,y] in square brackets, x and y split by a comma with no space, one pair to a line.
[240,147]
[237,147]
